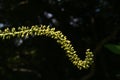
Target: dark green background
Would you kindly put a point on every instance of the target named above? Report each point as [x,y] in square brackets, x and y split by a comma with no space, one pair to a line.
[87,23]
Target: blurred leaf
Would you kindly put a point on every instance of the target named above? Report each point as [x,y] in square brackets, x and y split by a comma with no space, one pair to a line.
[113,48]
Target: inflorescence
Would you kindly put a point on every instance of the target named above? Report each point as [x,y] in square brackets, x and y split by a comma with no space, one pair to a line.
[57,35]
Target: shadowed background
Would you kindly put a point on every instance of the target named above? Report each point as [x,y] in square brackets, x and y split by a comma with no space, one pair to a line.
[87,23]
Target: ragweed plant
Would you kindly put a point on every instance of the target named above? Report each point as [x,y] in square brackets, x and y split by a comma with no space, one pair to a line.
[57,35]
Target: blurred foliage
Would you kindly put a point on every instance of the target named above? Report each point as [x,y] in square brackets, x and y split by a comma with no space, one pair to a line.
[87,23]
[113,48]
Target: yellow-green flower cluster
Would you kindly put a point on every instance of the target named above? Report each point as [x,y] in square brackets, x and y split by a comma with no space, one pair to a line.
[50,32]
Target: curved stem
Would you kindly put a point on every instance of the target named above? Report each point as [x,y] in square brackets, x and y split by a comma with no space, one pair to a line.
[50,32]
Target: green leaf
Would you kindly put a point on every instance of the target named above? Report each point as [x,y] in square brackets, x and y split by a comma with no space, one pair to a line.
[113,48]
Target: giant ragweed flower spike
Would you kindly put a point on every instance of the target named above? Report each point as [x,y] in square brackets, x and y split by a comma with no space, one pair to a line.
[50,32]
